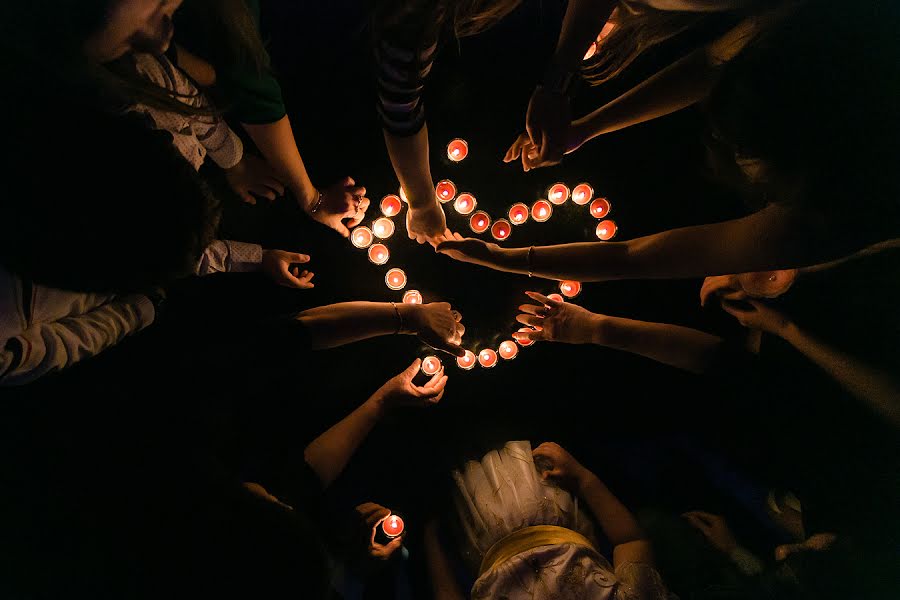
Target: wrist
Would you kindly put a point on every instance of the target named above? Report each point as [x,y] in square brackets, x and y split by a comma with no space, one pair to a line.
[307,196]
[408,314]
[377,404]
[598,329]
[585,479]
[788,331]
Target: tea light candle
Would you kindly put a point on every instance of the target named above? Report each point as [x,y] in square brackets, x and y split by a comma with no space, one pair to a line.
[606,229]
[395,279]
[480,221]
[487,358]
[412,297]
[465,203]
[591,51]
[390,205]
[378,254]
[501,229]
[570,289]
[361,237]
[445,190]
[457,150]
[392,526]
[466,362]
[518,213]
[556,297]
[383,228]
[582,194]
[600,208]
[558,193]
[508,350]
[431,365]
[541,211]
[525,343]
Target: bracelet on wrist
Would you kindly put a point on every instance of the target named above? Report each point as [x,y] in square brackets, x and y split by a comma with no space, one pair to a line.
[317,203]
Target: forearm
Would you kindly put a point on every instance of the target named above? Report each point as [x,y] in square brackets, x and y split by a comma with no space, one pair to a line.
[618,524]
[872,386]
[409,156]
[278,146]
[347,322]
[329,453]
[580,26]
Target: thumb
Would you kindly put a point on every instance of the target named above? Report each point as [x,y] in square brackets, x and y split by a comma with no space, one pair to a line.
[341,229]
[412,369]
[296,257]
[346,181]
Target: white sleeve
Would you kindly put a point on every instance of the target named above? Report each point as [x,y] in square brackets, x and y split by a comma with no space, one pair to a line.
[52,346]
[228,256]
[639,581]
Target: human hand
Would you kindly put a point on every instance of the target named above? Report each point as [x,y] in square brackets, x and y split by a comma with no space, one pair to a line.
[560,466]
[372,515]
[714,528]
[400,390]
[252,176]
[472,250]
[555,321]
[757,315]
[343,200]
[546,125]
[724,286]
[425,222]
[277,265]
[436,324]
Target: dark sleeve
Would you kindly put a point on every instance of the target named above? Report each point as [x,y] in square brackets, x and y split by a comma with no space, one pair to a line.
[403,59]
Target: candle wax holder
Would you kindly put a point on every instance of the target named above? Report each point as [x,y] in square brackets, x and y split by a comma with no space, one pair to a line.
[570,289]
[541,211]
[361,237]
[479,222]
[457,150]
[582,194]
[508,350]
[465,203]
[501,229]
[487,358]
[518,213]
[378,254]
[391,205]
[395,279]
[600,208]
[431,365]
[383,228]
[412,297]
[466,362]
[445,190]
[558,193]
[606,230]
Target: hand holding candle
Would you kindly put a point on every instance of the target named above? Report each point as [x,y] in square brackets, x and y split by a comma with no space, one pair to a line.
[374,520]
[436,324]
[400,391]
[557,321]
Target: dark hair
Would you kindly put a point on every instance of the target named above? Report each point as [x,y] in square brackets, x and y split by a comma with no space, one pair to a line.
[461,17]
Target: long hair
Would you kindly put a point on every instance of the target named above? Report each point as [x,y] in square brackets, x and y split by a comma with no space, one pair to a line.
[461,18]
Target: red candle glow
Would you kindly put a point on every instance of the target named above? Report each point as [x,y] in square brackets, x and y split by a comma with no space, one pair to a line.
[378,254]
[541,211]
[361,237]
[606,229]
[431,365]
[395,279]
[465,203]
[457,150]
[570,289]
[525,343]
[412,297]
[390,205]
[518,214]
[556,297]
[582,194]
[508,350]
[501,229]
[600,208]
[392,526]
[466,362]
[558,193]
[383,228]
[445,190]
[480,221]
[487,358]
[591,51]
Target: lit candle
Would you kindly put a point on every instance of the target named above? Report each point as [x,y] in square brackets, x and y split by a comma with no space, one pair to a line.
[582,194]
[558,193]
[570,289]
[480,221]
[445,190]
[403,195]
[466,362]
[390,205]
[541,211]
[487,358]
[361,237]
[395,279]
[378,254]
[556,297]
[412,297]
[600,208]
[392,526]
[457,150]
[606,229]
[501,229]
[525,343]
[591,51]
[431,365]
[383,228]
[465,203]
[518,214]
[508,350]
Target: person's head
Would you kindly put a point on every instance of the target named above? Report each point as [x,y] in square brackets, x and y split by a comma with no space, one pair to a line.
[131,26]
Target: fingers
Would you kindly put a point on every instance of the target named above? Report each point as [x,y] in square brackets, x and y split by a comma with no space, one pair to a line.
[696,523]
[530,320]
[412,369]
[342,229]
[262,191]
[531,309]
[347,181]
[705,517]
[734,309]
[296,257]
[515,150]
[376,516]
[535,335]
[297,279]
[544,299]
[357,190]
[247,197]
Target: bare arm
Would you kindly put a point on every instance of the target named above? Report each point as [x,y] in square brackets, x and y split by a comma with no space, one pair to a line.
[200,71]
[409,156]
[278,146]
[581,24]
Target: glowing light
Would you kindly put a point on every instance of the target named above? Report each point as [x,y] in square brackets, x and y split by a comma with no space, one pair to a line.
[541,211]
[403,197]
[606,230]
[361,237]
[431,365]
[501,229]
[412,297]
[558,193]
[383,228]
[556,297]
[487,358]
[600,208]
[525,343]
[465,203]
[570,289]
[466,362]
[518,213]
[607,29]
[480,221]
[508,350]
[591,51]
[392,526]
[378,254]
[445,190]
[395,279]
[582,194]
[457,150]
[390,205]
